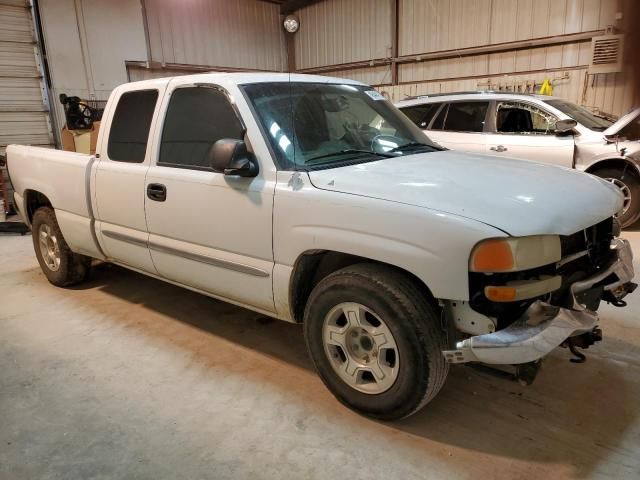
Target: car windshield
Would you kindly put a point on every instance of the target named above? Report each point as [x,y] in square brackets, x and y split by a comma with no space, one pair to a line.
[582,115]
[322,125]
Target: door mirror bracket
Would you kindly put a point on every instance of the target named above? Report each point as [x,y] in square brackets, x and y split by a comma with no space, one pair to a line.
[231,157]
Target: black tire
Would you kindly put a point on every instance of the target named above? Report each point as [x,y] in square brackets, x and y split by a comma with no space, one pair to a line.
[414,321]
[629,178]
[73,268]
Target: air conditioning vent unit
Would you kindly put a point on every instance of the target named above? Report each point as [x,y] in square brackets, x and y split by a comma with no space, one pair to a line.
[606,54]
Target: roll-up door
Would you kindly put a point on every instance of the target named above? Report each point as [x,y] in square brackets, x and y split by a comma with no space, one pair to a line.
[24,111]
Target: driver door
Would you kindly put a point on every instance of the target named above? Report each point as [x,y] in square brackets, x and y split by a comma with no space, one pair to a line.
[526,131]
[207,230]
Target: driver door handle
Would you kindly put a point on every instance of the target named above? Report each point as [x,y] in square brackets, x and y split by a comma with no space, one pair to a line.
[157,192]
[499,148]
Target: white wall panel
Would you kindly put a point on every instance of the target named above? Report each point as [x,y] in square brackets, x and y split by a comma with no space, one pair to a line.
[341,31]
[436,25]
[88,42]
[239,33]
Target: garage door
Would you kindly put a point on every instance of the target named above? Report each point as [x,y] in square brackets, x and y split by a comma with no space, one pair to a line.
[24,114]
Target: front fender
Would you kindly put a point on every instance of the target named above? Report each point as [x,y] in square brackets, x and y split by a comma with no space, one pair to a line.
[433,246]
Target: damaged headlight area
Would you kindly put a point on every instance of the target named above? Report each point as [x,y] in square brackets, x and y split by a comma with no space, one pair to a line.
[541,299]
[507,275]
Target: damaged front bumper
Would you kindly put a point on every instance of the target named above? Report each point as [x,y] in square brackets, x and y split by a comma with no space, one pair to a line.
[544,327]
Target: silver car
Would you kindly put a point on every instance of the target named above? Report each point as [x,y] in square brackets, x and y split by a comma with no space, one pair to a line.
[539,128]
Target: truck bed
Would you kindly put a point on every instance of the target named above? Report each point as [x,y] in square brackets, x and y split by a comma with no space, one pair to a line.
[64,178]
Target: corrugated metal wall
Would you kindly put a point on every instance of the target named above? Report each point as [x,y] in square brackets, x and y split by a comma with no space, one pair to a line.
[87,43]
[338,31]
[239,33]
[335,32]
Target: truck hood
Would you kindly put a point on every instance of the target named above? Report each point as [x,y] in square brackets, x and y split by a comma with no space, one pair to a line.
[516,196]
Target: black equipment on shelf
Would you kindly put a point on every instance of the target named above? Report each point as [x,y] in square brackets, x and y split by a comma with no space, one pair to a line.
[80,114]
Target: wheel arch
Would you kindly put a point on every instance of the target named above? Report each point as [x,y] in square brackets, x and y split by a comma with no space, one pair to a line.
[33,200]
[613,162]
[312,266]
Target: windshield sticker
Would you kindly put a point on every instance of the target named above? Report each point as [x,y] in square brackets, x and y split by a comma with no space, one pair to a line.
[374,94]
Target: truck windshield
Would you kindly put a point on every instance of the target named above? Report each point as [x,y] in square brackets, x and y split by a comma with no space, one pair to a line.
[582,115]
[322,125]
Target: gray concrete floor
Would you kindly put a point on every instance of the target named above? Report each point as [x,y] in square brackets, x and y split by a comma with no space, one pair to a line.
[128,377]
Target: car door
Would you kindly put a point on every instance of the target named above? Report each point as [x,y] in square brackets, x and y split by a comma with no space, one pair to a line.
[120,175]
[460,126]
[207,230]
[527,131]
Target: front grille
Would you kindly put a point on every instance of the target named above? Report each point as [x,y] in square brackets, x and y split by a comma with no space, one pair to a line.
[595,240]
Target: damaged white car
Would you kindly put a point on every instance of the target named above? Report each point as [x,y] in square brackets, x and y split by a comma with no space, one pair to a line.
[538,128]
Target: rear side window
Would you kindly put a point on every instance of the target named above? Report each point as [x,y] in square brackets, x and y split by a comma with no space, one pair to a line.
[129,130]
[197,118]
[466,117]
[421,115]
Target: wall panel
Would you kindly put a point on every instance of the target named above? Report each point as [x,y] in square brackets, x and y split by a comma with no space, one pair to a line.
[341,31]
[436,25]
[239,33]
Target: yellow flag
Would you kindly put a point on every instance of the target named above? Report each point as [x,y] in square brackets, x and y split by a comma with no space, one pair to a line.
[546,88]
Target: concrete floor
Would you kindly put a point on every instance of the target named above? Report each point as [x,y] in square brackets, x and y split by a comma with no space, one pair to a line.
[128,377]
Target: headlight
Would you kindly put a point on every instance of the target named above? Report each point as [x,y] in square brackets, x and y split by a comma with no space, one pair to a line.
[513,254]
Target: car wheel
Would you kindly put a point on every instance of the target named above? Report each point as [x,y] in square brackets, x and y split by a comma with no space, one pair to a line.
[629,184]
[376,340]
[60,265]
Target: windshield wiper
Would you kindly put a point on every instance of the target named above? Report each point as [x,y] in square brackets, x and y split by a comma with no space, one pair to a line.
[346,151]
[411,145]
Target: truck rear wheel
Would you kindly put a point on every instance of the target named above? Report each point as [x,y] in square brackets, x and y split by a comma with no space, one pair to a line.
[376,341]
[60,265]
[629,184]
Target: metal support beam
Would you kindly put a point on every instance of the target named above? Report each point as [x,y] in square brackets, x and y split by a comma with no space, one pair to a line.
[462,52]
[395,39]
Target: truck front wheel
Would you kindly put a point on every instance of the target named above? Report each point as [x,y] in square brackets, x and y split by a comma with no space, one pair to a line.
[60,265]
[376,341]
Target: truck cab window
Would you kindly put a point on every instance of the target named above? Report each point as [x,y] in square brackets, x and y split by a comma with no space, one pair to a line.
[521,118]
[197,118]
[130,126]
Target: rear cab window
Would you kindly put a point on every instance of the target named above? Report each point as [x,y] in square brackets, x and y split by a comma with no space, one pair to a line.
[129,131]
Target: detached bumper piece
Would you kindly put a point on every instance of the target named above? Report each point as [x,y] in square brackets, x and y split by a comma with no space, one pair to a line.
[541,329]
[544,327]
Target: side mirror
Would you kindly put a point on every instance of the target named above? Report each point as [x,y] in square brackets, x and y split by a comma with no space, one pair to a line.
[564,126]
[230,156]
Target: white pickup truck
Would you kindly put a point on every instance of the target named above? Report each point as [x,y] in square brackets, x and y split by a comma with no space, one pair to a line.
[314,200]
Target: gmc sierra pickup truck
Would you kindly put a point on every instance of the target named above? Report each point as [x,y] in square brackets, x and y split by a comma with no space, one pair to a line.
[314,200]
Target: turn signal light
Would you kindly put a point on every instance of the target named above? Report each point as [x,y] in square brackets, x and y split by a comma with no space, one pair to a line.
[500,294]
[492,256]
